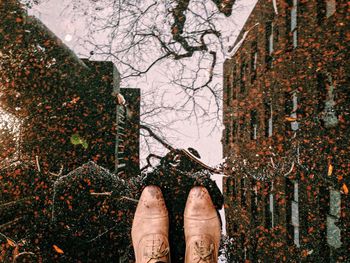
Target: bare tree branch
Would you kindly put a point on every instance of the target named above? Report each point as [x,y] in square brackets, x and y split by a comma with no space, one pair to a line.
[157,138]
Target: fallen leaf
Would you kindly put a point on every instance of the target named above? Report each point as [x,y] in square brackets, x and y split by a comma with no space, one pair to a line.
[75,139]
[291,119]
[58,250]
[11,242]
[330,170]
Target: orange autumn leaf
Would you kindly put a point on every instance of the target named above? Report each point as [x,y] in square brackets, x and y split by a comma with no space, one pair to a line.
[58,250]
[345,189]
[291,119]
[330,170]
[11,242]
[304,253]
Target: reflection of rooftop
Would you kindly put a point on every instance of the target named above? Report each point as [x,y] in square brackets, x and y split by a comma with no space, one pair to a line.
[64,49]
[58,95]
[42,63]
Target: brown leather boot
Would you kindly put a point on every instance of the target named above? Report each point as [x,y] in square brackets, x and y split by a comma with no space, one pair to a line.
[202,227]
[150,228]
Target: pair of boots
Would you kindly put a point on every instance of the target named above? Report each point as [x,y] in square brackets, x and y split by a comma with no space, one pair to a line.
[150,228]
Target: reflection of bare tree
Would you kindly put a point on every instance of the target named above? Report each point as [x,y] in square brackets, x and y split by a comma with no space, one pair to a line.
[174,48]
[143,33]
[183,38]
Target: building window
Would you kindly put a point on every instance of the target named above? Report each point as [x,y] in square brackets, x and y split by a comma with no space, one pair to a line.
[276,35]
[294,124]
[254,124]
[234,82]
[243,192]
[254,201]
[227,134]
[270,207]
[292,211]
[243,77]
[254,61]
[325,9]
[234,130]
[292,108]
[228,89]
[294,22]
[268,119]
[333,231]
[326,88]
[231,188]
[122,124]
[269,40]
[321,11]
[295,214]
[235,189]
[323,205]
[330,7]
[242,126]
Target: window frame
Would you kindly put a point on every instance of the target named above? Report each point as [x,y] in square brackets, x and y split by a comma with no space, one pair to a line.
[234,130]
[228,91]
[330,9]
[294,22]
[243,77]
[292,109]
[270,206]
[254,121]
[254,61]
[269,43]
[333,217]
[268,119]
[244,192]
[327,102]
[295,220]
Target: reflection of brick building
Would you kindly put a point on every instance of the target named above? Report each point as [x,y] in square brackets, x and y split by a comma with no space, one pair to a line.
[286,137]
[59,97]
[69,111]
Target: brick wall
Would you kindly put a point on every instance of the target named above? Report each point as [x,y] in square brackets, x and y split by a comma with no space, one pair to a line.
[286,116]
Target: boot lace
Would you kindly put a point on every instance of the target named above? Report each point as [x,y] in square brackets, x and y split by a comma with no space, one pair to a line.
[203,252]
[158,254]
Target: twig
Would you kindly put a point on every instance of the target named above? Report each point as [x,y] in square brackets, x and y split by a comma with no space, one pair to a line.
[59,173]
[7,238]
[291,169]
[16,202]
[273,163]
[129,199]
[157,138]
[102,234]
[37,163]
[102,194]
[10,223]
[148,159]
